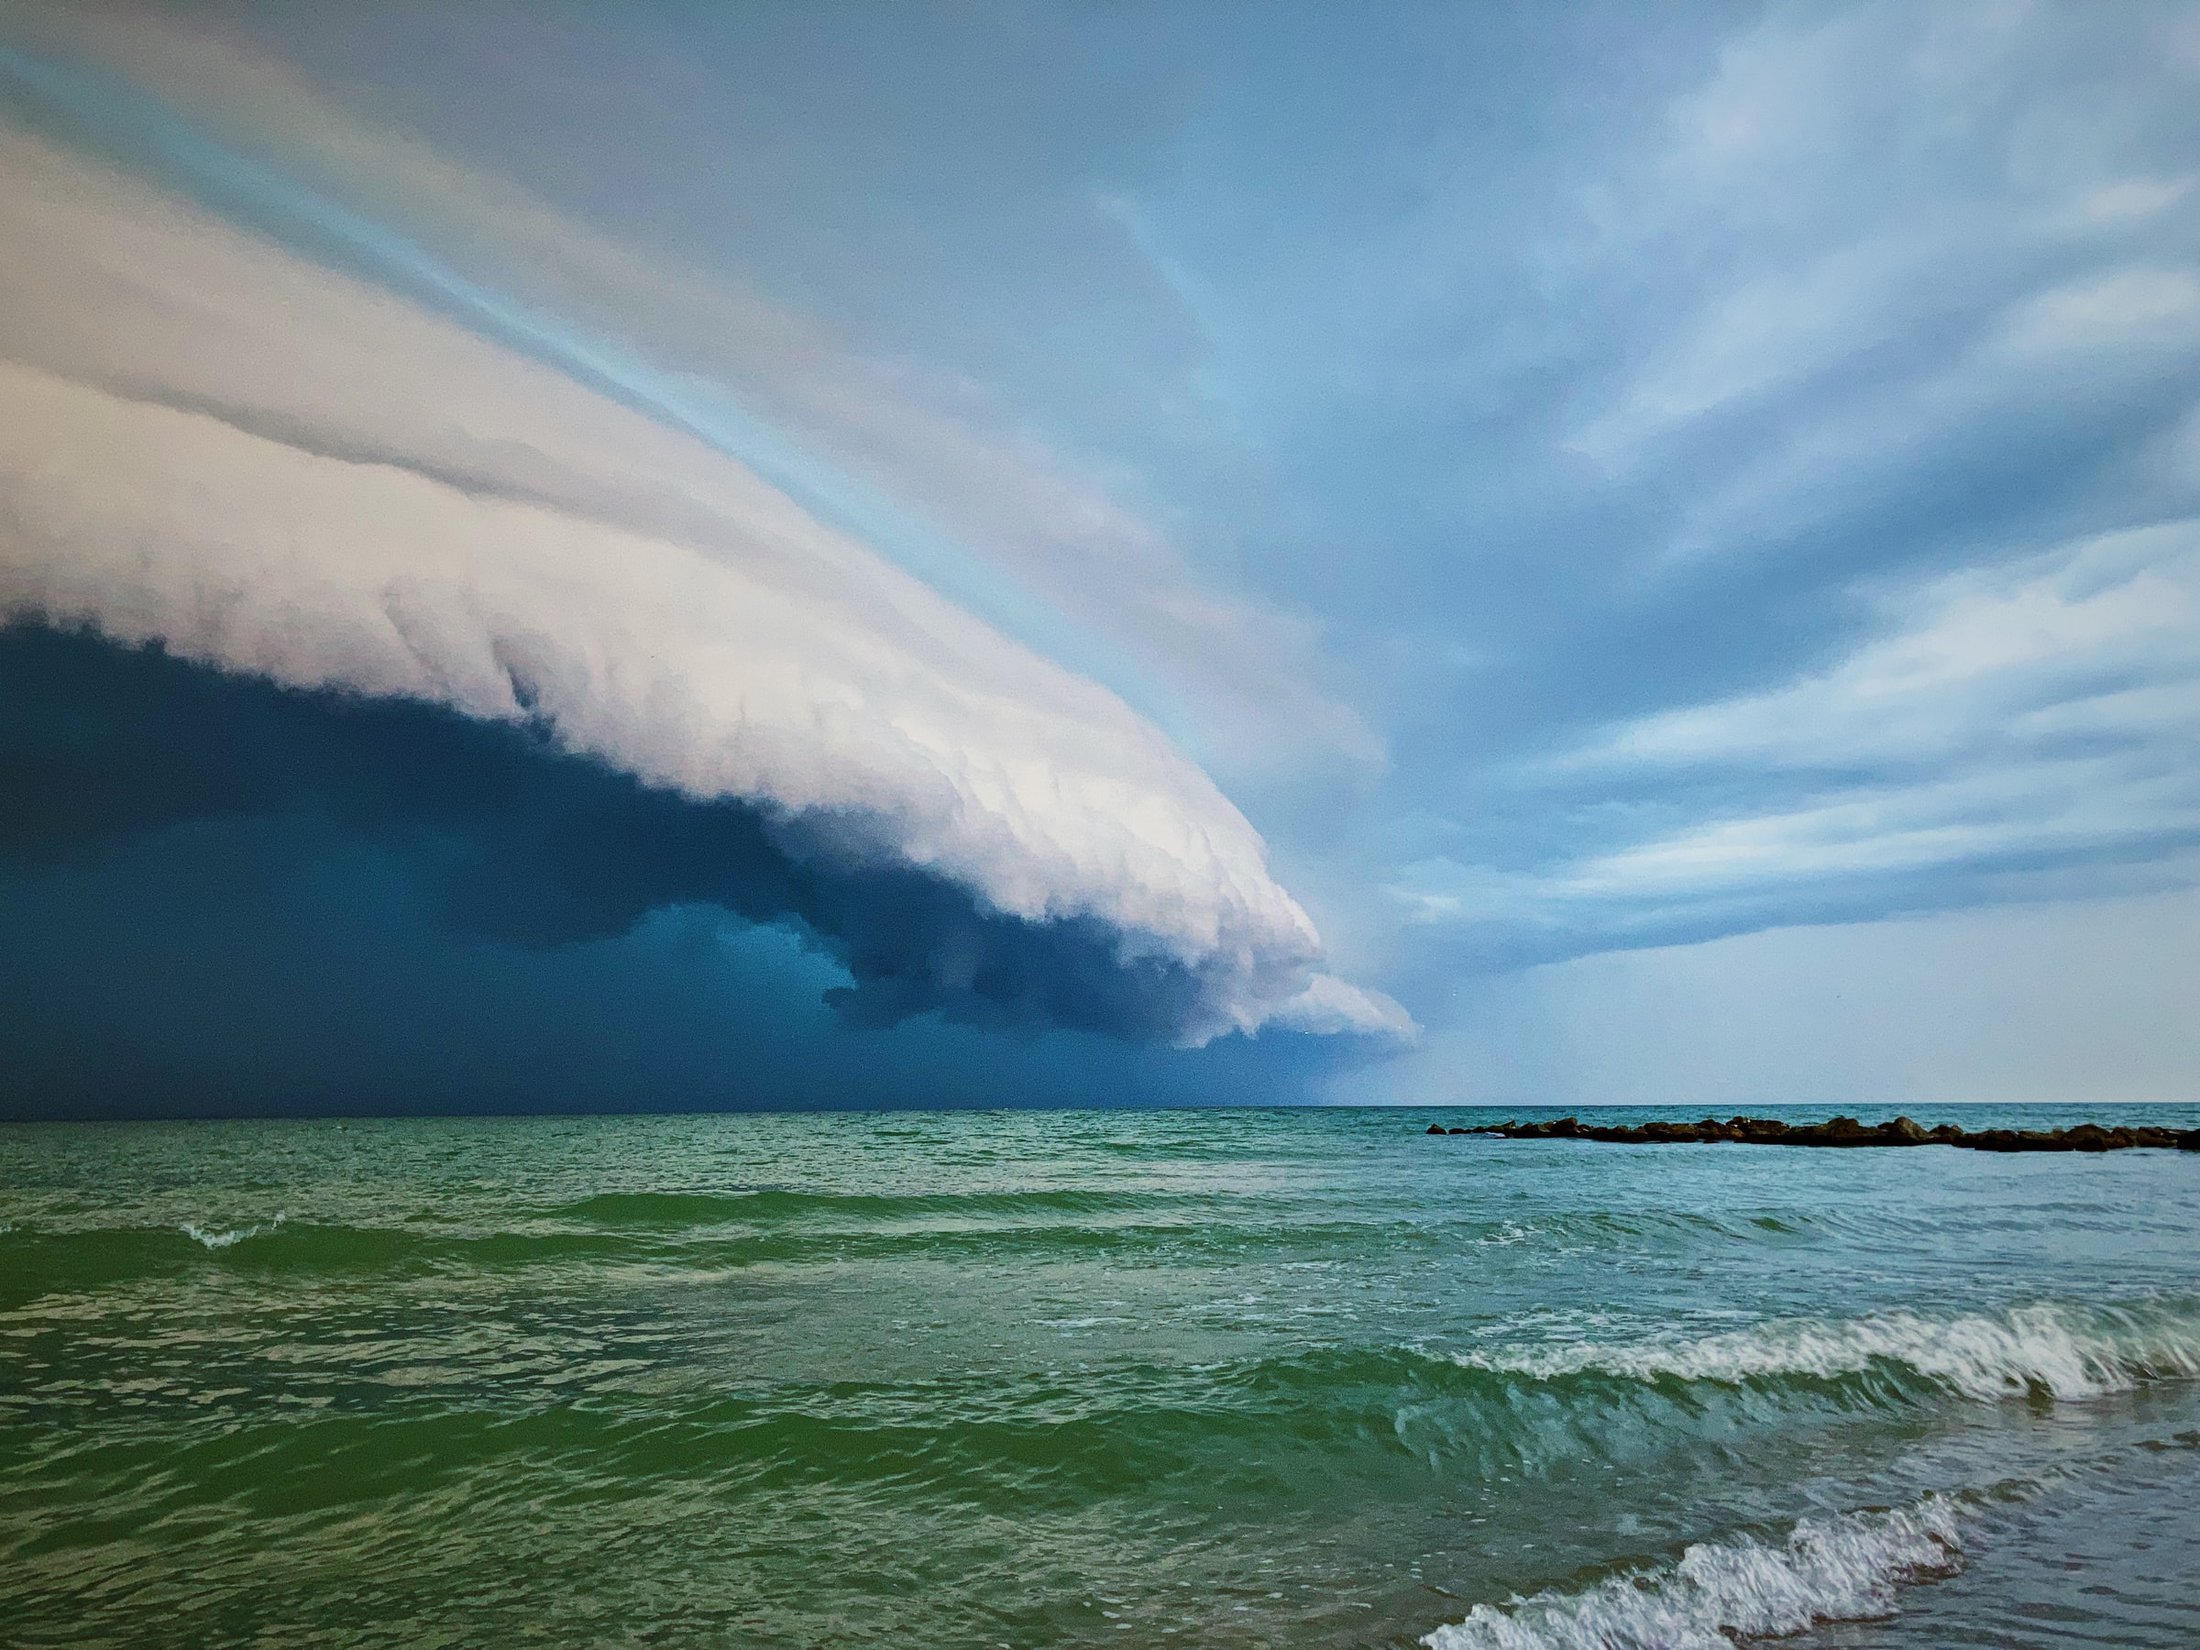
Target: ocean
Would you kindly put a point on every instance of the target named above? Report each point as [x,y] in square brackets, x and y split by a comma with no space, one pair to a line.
[945,1381]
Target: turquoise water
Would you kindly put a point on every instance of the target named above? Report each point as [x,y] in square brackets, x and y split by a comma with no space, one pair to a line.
[1216,1378]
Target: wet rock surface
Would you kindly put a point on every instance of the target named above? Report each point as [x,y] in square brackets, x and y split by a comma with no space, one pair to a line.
[1844,1131]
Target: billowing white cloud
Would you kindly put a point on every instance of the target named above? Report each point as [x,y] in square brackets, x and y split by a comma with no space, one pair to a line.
[974,492]
[265,466]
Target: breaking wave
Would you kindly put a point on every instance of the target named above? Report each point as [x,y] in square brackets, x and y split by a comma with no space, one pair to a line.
[2051,1350]
[1842,1568]
[219,1238]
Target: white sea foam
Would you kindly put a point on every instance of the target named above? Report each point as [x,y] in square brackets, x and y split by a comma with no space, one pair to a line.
[223,1238]
[1842,1568]
[2049,1350]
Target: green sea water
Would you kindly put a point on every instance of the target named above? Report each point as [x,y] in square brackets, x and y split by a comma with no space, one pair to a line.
[1289,1378]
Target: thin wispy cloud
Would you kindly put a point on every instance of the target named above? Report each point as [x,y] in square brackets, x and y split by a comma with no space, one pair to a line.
[2034,716]
[1898,357]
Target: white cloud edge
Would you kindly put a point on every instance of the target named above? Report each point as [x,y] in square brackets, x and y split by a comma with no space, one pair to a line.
[1241,676]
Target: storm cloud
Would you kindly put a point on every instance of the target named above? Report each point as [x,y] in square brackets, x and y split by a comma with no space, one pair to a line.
[515,840]
[267,468]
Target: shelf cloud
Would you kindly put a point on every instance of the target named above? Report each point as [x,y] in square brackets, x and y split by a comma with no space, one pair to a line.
[215,448]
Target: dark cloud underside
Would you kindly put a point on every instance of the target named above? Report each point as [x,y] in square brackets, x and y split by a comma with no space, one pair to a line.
[521,843]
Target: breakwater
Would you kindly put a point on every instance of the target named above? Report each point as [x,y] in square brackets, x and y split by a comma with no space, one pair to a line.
[1842,1131]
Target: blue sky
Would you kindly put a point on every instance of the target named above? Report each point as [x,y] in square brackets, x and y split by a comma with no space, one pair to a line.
[1665,522]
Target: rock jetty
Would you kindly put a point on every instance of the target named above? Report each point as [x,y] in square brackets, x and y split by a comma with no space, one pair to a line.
[1843,1131]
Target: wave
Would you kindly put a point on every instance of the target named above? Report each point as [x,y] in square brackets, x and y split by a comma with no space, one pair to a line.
[705,1233]
[714,1229]
[1379,1416]
[2050,1350]
[767,1203]
[223,1238]
[74,1263]
[1841,1568]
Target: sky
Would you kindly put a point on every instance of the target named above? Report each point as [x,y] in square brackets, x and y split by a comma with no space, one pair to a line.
[682,556]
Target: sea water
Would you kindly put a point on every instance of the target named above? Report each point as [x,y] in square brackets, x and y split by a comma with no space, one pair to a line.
[1230,1378]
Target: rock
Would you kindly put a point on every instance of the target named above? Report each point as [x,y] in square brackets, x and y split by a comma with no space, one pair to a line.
[1835,1131]
[1844,1132]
